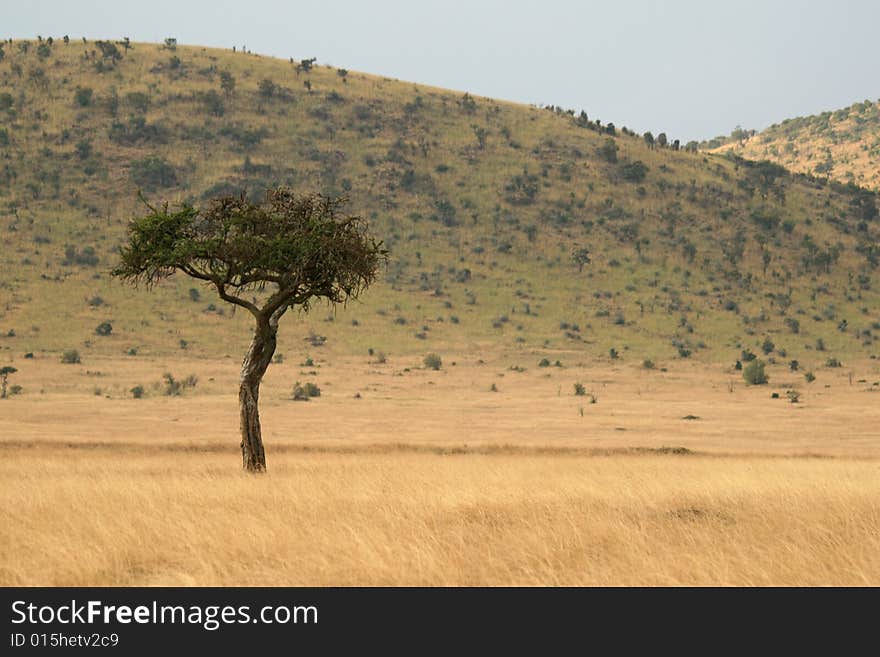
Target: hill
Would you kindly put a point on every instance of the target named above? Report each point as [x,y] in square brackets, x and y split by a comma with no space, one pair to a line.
[843,145]
[509,226]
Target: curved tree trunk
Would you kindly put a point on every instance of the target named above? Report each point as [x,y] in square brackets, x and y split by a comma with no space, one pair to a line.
[257,359]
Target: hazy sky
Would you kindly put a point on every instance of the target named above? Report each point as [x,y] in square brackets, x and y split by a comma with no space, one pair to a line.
[691,68]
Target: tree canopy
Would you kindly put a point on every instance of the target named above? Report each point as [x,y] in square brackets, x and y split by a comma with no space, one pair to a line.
[302,246]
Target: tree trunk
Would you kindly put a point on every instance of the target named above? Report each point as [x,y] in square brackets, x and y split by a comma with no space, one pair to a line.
[258,357]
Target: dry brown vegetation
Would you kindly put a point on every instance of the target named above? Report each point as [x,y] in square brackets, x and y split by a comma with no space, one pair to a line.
[431,478]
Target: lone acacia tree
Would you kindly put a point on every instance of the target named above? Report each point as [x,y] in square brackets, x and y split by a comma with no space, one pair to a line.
[291,249]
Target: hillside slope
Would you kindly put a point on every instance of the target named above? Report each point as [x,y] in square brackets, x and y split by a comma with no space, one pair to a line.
[843,145]
[488,209]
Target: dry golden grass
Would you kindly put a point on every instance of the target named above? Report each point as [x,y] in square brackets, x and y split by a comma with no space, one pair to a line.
[107,518]
[382,490]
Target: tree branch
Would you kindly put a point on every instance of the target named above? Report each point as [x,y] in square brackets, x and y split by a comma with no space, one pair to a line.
[221,290]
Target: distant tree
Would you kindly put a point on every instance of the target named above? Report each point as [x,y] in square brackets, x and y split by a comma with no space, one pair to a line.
[582,120]
[171,43]
[649,140]
[139,101]
[227,82]
[343,73]
[662,140]
[84,149]
[297,249]
[5,371]
[608,150]
[109,51]
[83,96]
[480,133]
[213,103]
[581,257]
[634,171]
[676,145]
[468,104]
[267,88]
[151,173]
[306,65]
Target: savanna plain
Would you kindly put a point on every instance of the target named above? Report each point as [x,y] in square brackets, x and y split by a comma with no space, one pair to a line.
[478,473]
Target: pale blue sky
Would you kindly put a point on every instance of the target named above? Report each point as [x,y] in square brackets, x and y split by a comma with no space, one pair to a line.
[693,69]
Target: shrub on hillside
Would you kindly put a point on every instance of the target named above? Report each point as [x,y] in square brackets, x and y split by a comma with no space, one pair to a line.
[433,362]
[152,173]
[754,374]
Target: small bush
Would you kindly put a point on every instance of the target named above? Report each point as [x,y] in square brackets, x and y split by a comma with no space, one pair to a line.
[433,362]
[15,390]
[137,392]
[175,388]
[544,363]
[104,329]
[70,357]
[809,377]
[648,364]
[305,391]
[152,173]
[579,390]
[83,96]
[833,362]
[754,373]
[793,396]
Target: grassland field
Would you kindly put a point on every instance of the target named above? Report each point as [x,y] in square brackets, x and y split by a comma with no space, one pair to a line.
[683,477]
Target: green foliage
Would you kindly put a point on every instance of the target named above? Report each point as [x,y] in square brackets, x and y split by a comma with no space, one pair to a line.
[522,189]
[634,172]
[268,89]
[579,390]
[227,82]
[608,150]
[85,257]
[300,243]
[433,362]
[104,329]
[754,374]
[71,357]
[137,392]
[152,173]
[137,131]
[305,391]
[83,96]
